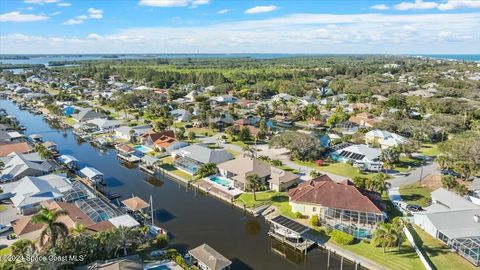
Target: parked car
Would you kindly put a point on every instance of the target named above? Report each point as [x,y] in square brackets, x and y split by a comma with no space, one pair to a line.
[414,208]
[158,253]
[451,172]
[223,141]
[5,228]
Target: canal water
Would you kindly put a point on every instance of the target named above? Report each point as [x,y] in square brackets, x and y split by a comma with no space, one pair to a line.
[191,217]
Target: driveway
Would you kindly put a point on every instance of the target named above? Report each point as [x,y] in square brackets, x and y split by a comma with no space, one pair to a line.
[415,175]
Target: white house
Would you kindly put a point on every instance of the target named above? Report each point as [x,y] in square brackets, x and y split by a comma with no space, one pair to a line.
[363,156]
[104,124]
[126,132]
[181,115]
[384,138]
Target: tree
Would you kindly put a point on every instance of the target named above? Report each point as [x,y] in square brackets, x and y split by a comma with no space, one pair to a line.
[206,170]
[191,135]
[337,117]
[53,229]
[315,174]
[449,182]
[377,182]
[20,247]
[254,183]
[302,146]
[244,134]
[385,236]
[390,157]
[78,229]
[126,237]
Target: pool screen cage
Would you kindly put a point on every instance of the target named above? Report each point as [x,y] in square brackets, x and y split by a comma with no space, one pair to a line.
[97,209]
[469,248]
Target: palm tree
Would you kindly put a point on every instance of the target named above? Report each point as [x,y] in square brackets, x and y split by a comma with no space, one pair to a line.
[125,237]
[254,183]
[385,235]
[78,229]
[53,229]
[398,224]
[206,170]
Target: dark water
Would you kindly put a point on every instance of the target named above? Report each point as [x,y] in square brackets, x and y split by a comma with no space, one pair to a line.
[191,218]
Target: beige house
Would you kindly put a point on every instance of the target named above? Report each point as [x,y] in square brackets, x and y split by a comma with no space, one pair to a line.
[238,170]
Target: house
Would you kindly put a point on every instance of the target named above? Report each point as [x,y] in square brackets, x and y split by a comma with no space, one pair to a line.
[69,161]
[22,90]
[282,96]
[191,158]
[181,115]
[383,138]
[238,169]
[50,146]
[164,142]
[207,258]
[150,137]
[362,156]
[19,165]
[92,174]
[133,262]
[27,193]
[103,124]
[86,114]
[225,99]
[453,220]
[223,120]
[339,205]
[130,133]
[125,149]
[364,119]
[18,147]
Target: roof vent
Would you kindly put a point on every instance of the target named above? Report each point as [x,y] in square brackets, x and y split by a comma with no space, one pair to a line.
[476,218]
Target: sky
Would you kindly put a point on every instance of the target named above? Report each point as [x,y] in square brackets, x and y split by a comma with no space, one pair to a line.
[240,26]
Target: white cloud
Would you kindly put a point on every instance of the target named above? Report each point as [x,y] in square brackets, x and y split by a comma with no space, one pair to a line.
[41,2]
[95,13]
[260,9]
[296,33]
[56,13]
[73,22]
[455,4]
[165,3]
[197,3]
[418,4]
[63,4]
[223,11]
[380,7]
[16,16]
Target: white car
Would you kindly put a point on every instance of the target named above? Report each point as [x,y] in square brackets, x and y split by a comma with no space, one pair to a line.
[5,228]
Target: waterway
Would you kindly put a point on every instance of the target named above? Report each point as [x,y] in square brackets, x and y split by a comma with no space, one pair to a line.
[191,217]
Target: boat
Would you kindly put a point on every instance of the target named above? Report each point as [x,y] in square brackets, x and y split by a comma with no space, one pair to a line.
[287,234]
[155,230]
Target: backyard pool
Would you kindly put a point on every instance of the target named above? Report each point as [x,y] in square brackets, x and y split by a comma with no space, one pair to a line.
[220,180]
[143,149]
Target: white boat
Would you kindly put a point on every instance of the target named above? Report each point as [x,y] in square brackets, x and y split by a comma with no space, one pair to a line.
[286,233]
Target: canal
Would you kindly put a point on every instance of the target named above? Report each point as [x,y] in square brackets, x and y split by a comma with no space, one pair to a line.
[191,217]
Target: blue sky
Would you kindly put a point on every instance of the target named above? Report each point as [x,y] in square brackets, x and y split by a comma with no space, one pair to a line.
[241,26]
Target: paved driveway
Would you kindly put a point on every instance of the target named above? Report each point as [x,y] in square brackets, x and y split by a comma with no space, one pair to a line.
[10,214]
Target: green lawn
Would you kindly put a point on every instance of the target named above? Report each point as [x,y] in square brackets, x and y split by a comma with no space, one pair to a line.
[338,168]
[201,131]
[430,150]
[167,165]
[5,251]
[2,208]
[415,194]
[439,254]
[403,259]
[279,199]
[70,121]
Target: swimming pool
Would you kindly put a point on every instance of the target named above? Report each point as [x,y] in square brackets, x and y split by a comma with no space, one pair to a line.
[143,149]
[220,180]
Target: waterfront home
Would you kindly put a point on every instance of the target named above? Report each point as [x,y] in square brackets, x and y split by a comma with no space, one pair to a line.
[131,133]
[453,220]
[15,135]
[207,258]
[27,193]
[103,124]
[92,174]
[18,147]
[238,169]
[133,262]
[164,142]
[191,158]
[364,119]
[22,90]
[340,206]
[69,161]
[383,138]
[24,228]
[181,115]
[19,165]
[86,114]
[362,156]
[50,146]
[151,136]
[125,149]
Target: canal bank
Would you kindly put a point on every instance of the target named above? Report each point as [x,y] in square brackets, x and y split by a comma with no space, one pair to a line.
[192,217]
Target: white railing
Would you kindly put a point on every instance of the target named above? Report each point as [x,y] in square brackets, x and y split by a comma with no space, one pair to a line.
[420,254]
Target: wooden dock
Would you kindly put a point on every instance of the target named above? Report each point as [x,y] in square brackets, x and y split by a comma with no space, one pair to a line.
[130,158]
[299,246]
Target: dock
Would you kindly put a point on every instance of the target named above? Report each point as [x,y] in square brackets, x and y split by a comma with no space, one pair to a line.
[129,158]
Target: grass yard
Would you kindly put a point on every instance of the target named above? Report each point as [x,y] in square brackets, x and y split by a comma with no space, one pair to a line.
[2,208]
[202,130]
[439,254]
[167,165]
[279,199]
[70,121]
[338,168]
[403,259]
[416,194]
[430,150]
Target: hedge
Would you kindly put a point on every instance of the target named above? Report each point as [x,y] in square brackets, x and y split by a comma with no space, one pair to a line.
[341,238]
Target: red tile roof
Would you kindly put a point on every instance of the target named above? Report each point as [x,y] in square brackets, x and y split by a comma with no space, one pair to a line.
[157,135]
[325,192]
[21,147]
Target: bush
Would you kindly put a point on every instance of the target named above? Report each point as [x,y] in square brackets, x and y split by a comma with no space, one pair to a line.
[314,220]
[162,240]
[341,238]
[299,215]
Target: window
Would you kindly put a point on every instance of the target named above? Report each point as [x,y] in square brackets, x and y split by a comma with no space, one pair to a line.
[314,209]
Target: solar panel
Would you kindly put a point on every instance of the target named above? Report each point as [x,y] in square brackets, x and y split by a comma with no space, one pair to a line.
[290,224]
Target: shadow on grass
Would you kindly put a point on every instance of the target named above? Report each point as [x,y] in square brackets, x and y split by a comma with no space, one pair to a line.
[279,198]
[427,251]
[412,197]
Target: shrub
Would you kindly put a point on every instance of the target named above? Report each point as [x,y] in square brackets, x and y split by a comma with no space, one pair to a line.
[298,215]
[341,238]
[314,220]
[162,240]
